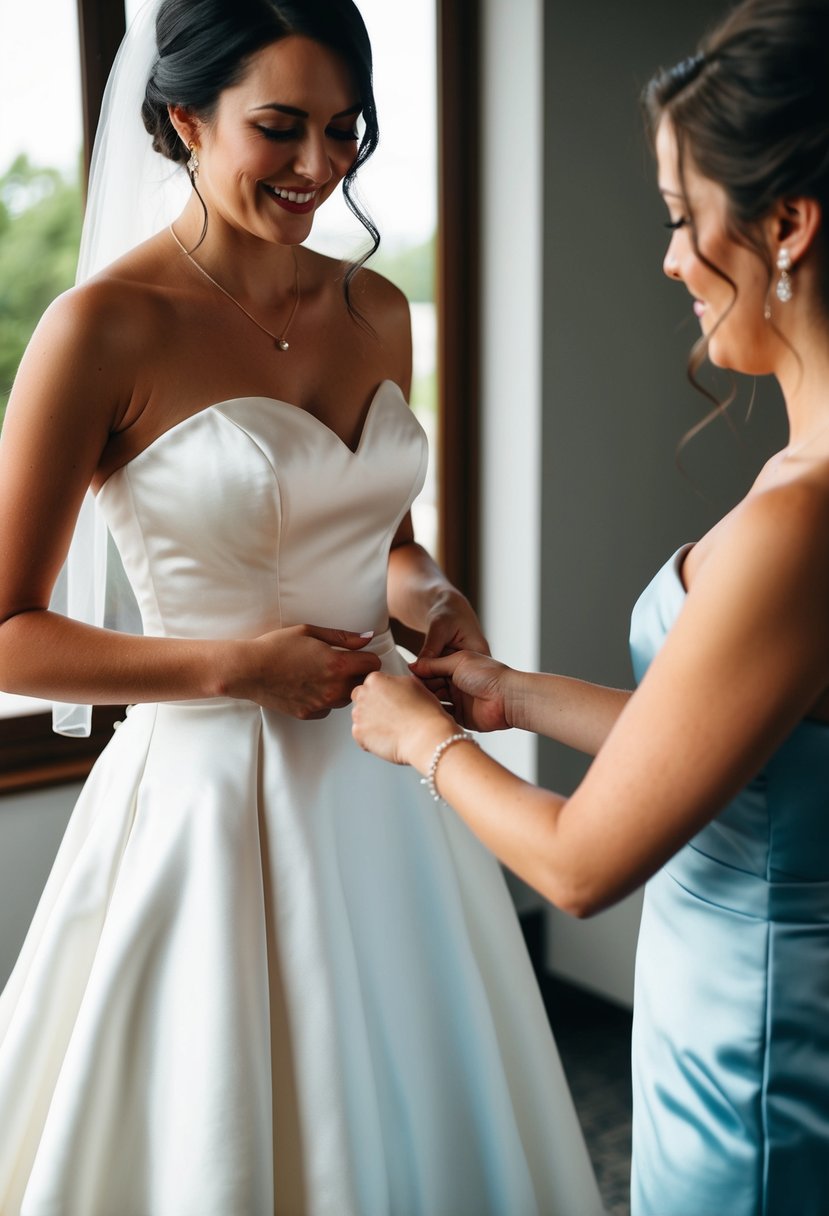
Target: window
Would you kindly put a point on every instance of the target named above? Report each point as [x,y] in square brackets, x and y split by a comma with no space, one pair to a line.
[399,189]
[43,114]
[40,185]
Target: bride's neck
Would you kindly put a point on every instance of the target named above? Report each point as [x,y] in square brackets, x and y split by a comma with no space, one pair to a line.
[248,267]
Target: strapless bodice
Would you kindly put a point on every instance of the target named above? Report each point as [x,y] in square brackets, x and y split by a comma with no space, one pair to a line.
[252,515]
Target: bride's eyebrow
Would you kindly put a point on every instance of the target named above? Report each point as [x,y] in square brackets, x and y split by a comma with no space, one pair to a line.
[296,113]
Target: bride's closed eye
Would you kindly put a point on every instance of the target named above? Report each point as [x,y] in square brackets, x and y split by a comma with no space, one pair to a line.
[347,133]
[288,133]
[673,225]
[279,132]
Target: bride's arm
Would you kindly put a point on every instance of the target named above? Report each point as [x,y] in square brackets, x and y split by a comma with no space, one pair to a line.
[419,594]
[70,394]
[422,597]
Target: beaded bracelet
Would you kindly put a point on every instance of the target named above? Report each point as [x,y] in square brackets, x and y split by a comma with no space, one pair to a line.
[463,736]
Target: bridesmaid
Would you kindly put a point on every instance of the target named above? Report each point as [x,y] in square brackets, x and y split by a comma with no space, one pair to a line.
[712,779]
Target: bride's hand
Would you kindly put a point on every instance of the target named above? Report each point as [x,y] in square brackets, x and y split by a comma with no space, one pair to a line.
[452,625]
[303,670]
[476,684]
[397,718]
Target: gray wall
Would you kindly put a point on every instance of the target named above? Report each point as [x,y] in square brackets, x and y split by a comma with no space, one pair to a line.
[615,398]
[31,828]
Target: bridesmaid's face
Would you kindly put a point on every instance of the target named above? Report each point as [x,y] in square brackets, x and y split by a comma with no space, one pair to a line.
[281,140]
[730,313]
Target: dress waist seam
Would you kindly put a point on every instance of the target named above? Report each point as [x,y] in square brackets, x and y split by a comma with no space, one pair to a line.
[725,886]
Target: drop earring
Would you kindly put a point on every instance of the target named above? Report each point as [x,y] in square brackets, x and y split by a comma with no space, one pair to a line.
[783,290]
[193,163]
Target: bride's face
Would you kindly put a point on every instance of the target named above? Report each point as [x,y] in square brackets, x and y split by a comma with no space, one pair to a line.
[281,140]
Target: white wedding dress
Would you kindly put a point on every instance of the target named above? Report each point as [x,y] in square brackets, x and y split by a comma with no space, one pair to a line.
[262,953]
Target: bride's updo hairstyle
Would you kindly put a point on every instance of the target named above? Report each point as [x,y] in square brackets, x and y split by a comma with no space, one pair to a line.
[751,112]
[204,47]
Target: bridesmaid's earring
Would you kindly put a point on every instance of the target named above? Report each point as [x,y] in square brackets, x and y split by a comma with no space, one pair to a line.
[783,290]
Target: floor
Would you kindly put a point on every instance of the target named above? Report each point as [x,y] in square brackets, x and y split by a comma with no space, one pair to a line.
[593,1038]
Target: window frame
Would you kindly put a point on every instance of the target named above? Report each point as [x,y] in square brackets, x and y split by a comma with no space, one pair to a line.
[31,756]
[458,291]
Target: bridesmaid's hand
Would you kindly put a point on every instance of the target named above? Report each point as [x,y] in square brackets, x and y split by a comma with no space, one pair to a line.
[478,687]
[303,670]
[397,718]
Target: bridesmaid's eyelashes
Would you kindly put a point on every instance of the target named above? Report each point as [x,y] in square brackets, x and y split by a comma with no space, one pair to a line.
[674,225]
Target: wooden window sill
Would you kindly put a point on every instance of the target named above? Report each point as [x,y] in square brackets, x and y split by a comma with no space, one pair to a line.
[33,757]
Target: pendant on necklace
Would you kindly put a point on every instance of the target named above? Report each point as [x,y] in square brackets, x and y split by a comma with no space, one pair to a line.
[281,344]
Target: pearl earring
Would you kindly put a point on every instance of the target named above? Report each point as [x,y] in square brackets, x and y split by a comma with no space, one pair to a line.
[783,290]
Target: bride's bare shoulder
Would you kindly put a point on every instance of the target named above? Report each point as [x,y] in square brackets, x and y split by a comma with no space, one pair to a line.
[118,304]
[92,342]
[373,296]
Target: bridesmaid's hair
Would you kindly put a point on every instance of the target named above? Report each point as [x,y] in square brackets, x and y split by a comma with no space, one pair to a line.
[204,47]
[751,112]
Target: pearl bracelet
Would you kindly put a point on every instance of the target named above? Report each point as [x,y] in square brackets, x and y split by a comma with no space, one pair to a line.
[463,736]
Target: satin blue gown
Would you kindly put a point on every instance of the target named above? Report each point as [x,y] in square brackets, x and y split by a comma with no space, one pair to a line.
[731,1011]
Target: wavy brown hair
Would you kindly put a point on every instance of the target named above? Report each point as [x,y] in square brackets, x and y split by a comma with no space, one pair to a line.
[751,111]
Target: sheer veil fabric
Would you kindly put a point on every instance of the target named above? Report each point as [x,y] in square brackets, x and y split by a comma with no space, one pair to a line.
[133,193]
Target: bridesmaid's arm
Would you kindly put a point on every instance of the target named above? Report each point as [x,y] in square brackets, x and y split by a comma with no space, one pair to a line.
[493,696]
[746,660]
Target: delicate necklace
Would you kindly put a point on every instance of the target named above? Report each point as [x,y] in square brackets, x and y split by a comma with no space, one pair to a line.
[278,339]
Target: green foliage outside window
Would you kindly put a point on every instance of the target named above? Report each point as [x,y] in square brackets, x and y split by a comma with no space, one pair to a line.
[412,268]
[40,225]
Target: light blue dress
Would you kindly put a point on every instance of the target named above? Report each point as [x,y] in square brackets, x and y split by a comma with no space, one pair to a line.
[731,1021]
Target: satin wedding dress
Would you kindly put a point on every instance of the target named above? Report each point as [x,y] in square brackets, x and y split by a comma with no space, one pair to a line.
[731,1011]
[268,973]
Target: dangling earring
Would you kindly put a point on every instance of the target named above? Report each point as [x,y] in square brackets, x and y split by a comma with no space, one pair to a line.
[193,163]
[783,290]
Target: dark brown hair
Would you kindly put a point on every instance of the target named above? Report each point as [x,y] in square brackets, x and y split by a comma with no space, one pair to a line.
[751,110]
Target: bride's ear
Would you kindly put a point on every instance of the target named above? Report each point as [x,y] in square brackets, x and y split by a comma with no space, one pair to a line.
[186,124]
[795,224]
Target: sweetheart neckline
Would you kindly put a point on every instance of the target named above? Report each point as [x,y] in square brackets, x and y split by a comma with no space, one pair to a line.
[279,401]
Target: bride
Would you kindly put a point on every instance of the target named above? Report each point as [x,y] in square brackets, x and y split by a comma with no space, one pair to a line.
[267,972]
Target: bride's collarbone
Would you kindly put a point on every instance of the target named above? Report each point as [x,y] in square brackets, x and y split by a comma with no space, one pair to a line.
[198,362]
[162,408]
